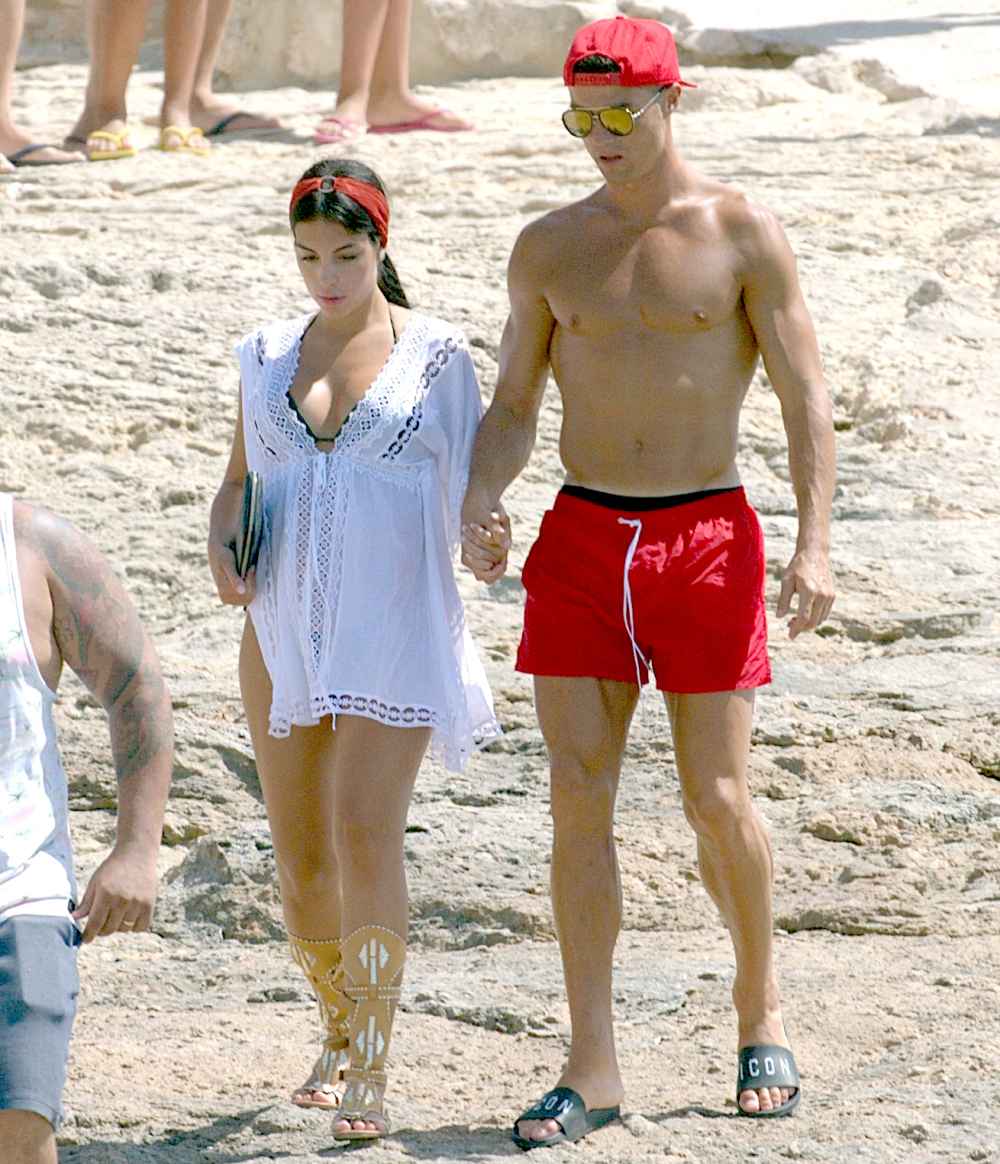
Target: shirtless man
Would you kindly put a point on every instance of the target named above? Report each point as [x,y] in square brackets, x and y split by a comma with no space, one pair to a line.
[651,300]
[60,602]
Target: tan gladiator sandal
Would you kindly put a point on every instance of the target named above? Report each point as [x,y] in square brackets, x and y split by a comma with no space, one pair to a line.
[373,971]
[322,964]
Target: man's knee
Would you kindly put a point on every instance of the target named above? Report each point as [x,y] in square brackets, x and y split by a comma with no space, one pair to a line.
[718,809]
[583,789]
[27,1138]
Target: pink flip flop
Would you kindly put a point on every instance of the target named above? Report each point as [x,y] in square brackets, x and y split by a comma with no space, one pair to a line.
[421,124]
[343,131]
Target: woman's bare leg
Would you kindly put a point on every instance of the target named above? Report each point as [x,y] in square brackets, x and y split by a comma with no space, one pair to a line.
[390,100]
[362,24]
[376,767]
[296,776]
[297,779]
[114,33]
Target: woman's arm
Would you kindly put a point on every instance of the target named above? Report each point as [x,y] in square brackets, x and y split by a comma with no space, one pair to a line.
[224,521]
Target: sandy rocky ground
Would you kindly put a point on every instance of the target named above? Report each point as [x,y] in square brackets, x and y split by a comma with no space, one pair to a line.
[876,758]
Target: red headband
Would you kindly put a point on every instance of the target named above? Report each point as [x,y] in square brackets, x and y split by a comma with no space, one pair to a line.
[369,197]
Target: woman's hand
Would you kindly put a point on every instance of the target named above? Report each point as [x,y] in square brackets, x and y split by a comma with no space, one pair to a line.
[233,590]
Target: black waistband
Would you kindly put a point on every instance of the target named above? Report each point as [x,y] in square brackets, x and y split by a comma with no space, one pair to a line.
[641,504]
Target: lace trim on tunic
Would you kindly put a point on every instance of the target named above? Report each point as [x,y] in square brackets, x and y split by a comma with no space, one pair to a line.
[432,369]
[446,747]
[336,703]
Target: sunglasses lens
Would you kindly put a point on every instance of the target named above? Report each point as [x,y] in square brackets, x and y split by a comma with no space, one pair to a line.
[617,121]
[578,122]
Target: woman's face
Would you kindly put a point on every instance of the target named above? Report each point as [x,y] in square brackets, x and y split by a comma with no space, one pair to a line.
[338,266]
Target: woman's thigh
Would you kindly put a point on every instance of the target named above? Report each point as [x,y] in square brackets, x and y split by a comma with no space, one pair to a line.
[296,772]
[376,767]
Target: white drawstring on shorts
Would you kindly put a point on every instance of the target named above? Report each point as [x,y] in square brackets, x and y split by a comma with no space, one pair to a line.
[628,615]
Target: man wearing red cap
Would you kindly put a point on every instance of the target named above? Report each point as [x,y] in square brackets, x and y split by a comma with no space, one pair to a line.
[651,301]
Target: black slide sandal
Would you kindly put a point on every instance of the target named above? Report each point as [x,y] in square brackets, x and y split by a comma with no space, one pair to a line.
[767,1065]
[566,1107]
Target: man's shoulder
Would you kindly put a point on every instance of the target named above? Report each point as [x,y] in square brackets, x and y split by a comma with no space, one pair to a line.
[541,246]
[36,527]
[750,225]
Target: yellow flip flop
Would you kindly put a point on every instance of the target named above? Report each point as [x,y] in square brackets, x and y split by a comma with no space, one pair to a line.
[178,139]
[118,140]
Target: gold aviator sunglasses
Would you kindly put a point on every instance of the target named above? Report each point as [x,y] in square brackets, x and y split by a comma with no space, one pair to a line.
[617,119]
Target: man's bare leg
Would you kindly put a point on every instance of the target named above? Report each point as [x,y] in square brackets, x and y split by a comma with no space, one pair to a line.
[585,724]
[27,1138]
[208,109]
[114,33]
[13,139]
[391,100]
[712,746]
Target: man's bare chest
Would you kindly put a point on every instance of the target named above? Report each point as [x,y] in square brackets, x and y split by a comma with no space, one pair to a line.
[660,283]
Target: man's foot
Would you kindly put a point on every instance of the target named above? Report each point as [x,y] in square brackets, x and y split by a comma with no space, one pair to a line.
[774,1078]
[599,1097]
[757,1101]
[19,150]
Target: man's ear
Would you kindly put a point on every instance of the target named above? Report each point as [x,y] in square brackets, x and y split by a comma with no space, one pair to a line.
[672,98]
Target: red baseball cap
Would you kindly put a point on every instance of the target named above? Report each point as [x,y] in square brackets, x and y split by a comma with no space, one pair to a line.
[644,51]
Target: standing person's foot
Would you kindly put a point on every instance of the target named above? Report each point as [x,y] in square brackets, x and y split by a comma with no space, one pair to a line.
[184,139]
[767,1063]
[347,123]
[576,1106]
[405,113]
[216,117]
[19,150]
[102,133]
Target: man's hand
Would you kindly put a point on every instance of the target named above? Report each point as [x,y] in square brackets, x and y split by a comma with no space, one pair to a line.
[120,896]
[485,539]
[807,576]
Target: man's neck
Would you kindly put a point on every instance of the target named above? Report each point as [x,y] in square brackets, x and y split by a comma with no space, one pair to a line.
[645,199]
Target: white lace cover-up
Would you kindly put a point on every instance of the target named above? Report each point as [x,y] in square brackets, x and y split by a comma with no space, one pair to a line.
[357,610]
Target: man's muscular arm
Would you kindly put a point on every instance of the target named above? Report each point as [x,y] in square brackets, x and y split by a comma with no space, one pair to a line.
[506,434]
[98,634]
[787,342]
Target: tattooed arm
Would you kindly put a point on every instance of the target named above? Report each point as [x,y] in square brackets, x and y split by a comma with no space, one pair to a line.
[94,628]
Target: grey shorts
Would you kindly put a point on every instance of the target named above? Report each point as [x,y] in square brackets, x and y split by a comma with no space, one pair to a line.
[38,989]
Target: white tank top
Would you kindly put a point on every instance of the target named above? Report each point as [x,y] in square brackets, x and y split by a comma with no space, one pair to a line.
[36,860]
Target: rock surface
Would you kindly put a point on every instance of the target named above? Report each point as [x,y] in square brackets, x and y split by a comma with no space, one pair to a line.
[877,749]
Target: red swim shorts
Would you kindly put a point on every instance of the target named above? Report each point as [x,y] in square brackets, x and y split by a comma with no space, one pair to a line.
[614,589]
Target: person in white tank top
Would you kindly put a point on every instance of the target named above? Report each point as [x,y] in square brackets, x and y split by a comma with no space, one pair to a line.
[359,420]
[61,603]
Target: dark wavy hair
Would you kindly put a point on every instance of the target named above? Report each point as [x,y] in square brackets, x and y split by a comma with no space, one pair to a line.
[336,207]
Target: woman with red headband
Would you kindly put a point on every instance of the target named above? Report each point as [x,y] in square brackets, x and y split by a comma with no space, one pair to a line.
[359,419]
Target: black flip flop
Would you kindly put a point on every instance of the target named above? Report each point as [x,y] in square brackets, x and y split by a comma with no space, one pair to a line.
[767,1065]
[567,1108]
[22,156]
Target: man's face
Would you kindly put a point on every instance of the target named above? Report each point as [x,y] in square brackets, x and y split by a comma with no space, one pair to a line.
[625,158]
